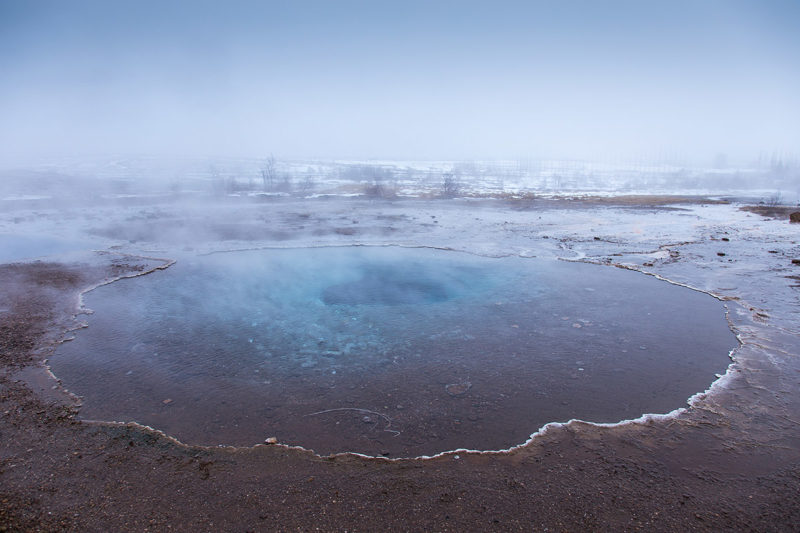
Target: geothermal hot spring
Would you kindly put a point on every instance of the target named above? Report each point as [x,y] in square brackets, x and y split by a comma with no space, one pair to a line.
[388,351]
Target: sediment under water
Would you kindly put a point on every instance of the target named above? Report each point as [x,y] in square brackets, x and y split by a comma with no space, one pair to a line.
[392,351]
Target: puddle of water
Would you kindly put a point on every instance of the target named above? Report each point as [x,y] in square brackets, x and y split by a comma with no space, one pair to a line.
[15,247]
[389,351]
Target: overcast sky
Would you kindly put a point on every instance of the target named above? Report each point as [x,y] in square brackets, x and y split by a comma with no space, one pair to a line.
[400,79]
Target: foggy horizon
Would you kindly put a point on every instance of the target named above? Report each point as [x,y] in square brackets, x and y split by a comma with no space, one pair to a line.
[450,81]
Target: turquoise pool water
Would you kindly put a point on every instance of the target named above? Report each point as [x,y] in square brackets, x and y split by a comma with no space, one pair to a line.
[387,350]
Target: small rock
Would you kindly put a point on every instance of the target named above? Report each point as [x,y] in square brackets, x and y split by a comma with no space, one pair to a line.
[271,440]
[721,254]
[796,261]
[457,389]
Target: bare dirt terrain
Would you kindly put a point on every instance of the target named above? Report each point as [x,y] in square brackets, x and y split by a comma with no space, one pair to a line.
[731,461]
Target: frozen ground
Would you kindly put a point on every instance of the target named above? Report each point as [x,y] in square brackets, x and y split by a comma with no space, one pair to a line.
[740,438]
[83,181]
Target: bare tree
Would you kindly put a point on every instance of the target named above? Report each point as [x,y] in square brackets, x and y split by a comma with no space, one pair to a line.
[451,186]
[308,184]
[269,173]
[774,200]
[379,187]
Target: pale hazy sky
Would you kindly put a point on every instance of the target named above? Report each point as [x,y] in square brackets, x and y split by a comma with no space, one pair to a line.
[399,79]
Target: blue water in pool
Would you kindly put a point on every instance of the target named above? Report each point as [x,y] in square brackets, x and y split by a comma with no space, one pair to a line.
[388,350]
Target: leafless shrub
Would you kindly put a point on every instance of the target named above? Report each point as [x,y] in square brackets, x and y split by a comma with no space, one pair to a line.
[774,200]
[308,184]
[269,173]
[382,183]
[451,186]
[378,189]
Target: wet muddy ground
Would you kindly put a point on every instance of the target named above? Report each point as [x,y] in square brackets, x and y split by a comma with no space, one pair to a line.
[731,461]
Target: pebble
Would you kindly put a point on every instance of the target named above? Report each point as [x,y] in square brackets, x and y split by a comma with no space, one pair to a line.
[457,389]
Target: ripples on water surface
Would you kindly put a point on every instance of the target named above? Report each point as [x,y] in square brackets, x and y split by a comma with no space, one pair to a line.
[388,350]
